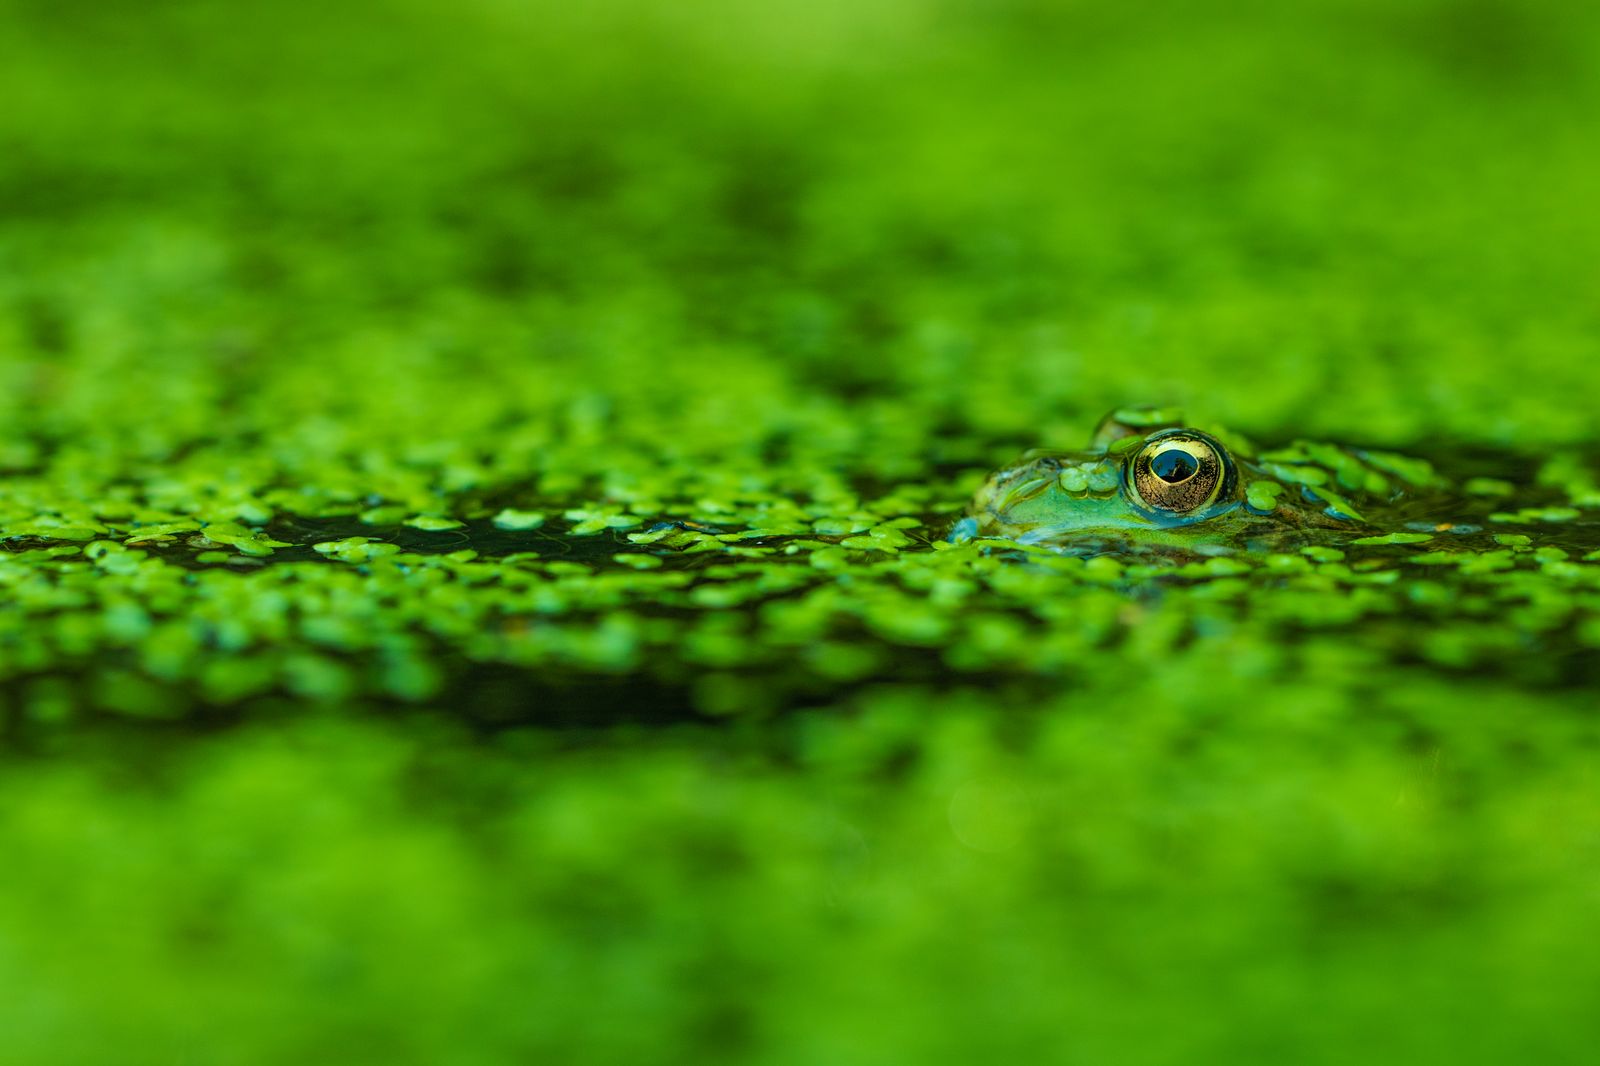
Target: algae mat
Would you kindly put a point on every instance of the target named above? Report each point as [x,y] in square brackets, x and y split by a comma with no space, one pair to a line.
[474,488]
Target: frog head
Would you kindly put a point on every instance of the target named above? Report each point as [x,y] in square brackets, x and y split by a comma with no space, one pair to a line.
[1148,481]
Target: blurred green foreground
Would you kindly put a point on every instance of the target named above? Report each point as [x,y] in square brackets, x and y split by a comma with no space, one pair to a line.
[300,762]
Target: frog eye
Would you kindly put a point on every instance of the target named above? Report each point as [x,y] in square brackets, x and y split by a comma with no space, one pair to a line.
[1179,471]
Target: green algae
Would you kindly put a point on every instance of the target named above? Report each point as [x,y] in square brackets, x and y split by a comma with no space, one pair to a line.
[473,491]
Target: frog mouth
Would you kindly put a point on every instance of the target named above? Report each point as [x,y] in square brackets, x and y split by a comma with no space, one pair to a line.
[1099,541]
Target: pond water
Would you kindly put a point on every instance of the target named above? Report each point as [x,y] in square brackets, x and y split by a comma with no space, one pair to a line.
[665,618]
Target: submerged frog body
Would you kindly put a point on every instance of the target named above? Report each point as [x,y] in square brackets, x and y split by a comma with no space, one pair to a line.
[1148,482]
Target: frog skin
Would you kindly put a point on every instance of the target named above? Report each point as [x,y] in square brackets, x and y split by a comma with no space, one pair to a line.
[1150,483]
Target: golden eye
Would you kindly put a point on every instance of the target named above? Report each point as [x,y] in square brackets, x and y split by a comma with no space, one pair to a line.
[1179,471]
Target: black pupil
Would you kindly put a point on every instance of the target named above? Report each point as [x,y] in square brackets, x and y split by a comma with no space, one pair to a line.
[1174,465]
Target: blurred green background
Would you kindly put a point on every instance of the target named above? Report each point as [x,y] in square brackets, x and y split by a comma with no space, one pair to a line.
[306,259]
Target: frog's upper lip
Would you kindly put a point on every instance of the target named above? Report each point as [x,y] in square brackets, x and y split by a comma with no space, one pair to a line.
[1019,489]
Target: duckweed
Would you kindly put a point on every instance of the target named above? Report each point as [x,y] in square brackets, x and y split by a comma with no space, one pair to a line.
[1263,495]
[474,498]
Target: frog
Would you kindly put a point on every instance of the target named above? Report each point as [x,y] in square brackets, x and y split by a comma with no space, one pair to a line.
[1151,482]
